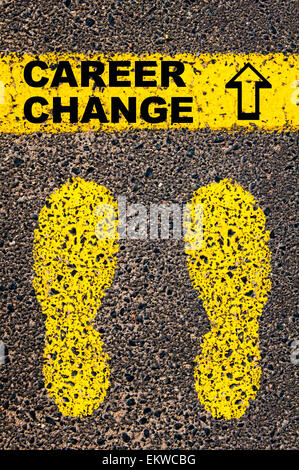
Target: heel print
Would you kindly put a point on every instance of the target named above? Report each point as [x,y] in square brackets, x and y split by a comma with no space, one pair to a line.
[230,270]
[73,266]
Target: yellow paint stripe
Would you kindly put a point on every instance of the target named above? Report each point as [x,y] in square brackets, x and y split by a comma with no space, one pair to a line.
[206,75]
[231,272]
[2,93]
[73,267]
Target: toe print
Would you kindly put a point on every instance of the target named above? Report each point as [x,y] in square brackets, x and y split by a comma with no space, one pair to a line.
[230,268]
[73,267]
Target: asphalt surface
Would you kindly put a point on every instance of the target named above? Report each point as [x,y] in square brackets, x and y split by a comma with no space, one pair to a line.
[151,319]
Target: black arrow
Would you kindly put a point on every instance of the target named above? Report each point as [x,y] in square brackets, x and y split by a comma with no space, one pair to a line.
[239,81]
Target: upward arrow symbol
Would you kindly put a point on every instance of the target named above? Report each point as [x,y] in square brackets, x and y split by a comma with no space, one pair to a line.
[248,82]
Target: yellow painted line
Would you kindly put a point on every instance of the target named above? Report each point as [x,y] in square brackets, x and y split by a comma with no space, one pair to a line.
[231,272]
[295,94]
[73,267]
[2,93]
[206,101]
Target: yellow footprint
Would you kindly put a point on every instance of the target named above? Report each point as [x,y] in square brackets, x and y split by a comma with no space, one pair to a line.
[73,266]
[230,270]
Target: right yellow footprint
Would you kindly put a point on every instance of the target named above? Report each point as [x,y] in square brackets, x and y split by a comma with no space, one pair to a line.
[230,268]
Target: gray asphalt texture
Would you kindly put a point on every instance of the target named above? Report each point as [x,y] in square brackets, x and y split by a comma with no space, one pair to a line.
[151,319]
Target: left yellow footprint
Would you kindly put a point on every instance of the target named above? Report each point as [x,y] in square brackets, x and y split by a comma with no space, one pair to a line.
[74,262]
